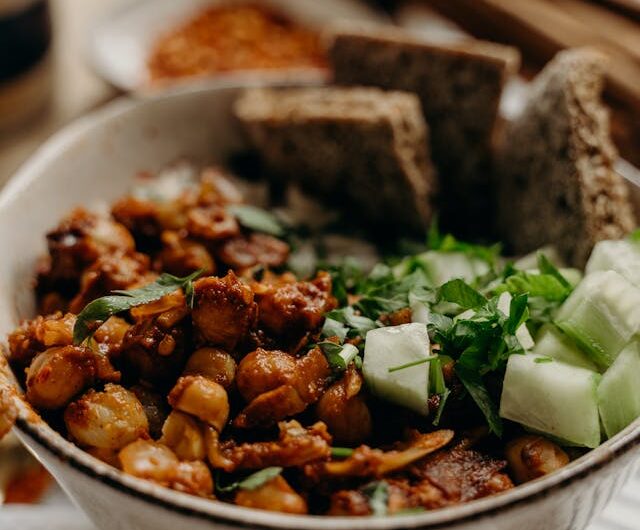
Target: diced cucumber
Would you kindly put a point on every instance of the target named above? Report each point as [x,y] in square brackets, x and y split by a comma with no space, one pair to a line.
[444,266]
[601,315]
[621,256]
[530,261]
[573,276]
[553,398]
[392,347]
[419,310]
[619,391]
[522,333]
[555,344]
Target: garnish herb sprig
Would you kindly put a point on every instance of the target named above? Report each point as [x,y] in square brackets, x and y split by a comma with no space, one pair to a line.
[377,494]
[97,312]
[253,481]
[257,219]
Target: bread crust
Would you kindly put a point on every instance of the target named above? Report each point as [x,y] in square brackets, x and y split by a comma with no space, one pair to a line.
[557,178]
[361,149]
[459,86]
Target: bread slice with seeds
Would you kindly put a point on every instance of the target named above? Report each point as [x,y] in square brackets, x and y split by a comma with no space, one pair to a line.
[557,179]
[362,149]
[459,86]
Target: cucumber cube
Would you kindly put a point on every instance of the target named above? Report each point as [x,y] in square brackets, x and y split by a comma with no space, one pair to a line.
[553,398]
[419,310]
[619,392]
[392,347]
[621,256]
[601,315]
[555,344]
[530,261]
[444,266]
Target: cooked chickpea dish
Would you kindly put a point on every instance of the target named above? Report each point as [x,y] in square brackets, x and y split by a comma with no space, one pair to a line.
[176,343]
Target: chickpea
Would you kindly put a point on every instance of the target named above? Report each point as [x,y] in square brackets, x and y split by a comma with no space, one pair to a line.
[344,411]
[263,370]
[108,420]
[56,375]
[533,456]
[214,363]
[193,477]
[150,460]
[155,461]
[275,495]
[182,434]
[202,397]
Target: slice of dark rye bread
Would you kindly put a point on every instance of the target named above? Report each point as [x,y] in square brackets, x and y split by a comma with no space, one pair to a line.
[459,86]
[557,181]
[363,149]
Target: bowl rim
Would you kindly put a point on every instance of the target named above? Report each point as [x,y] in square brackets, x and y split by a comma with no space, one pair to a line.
[37,430]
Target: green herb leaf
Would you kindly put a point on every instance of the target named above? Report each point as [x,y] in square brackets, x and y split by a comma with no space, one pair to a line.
[253,481]
[546,267]
[355,325]
[378,496]
[635,236]
[259,478]
[413,363]
[461,293]
[257,219]
[443,402]
[334,328]
[338,356]
[545,359]
[341,452]
[345,278]
[518,312]
[382,293]
[545,285]
[97,312]
[472,381]
[436,377]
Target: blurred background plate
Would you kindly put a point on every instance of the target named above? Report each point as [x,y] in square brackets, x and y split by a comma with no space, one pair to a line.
[121,42]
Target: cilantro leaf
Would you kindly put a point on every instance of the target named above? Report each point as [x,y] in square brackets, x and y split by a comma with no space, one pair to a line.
[472,381]
[543,359]
[546,267]
[518,312]
[334,328]
[461,293]
[253,481]
[354,324]
[635,236]
[338,356]
[97,312]
[257,219]
[378,496]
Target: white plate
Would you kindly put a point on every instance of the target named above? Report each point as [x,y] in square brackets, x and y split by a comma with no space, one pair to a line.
[120,43]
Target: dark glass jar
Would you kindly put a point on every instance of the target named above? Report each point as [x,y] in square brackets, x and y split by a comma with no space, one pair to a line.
[25,77]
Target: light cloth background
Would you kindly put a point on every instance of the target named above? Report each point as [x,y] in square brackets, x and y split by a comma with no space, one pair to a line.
[76,90]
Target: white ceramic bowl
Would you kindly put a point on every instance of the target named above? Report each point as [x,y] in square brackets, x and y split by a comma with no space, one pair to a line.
[95,159]
[120,43]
